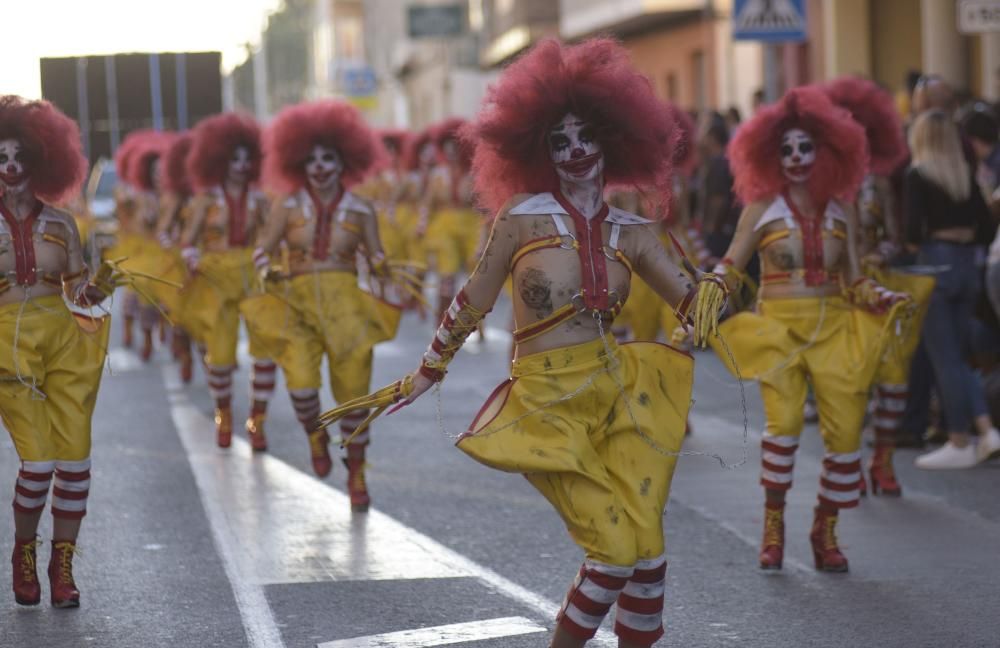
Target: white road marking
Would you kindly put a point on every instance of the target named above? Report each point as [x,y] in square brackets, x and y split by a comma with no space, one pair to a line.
[442,635]
[122,360]
[302,529]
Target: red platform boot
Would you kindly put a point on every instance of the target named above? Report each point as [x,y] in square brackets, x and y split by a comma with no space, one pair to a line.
[127,331]
[356,487]
[823,537]
[773,546]
[64,593]
[883,477]
[320,453]
[255,431]
[223,426]
[27,591]
[147,345]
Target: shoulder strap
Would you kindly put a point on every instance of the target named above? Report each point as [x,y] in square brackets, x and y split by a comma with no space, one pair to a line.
[560,224]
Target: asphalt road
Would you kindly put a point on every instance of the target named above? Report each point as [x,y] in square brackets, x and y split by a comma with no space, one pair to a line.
[189,545]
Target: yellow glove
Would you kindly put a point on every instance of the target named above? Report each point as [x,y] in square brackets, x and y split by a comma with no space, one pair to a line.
[708,305]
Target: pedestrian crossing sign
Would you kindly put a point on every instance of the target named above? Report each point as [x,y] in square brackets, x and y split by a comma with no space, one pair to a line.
[772,21]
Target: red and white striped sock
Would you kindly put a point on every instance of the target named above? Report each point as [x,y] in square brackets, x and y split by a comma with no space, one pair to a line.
[306,405]
[592,594]
[262,378]
[349,424]
[891,404]
[777,458]
[840,479]
[220,382]
[639,617]
[71,488]
[32,486]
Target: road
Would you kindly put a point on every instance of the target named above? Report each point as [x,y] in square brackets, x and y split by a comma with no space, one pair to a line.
[189,545]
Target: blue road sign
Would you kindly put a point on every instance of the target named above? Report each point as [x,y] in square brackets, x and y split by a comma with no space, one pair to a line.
[359,81]
[771,21]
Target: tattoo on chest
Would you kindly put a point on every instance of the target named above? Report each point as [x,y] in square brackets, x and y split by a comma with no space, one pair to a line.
[782,259]
[536,291]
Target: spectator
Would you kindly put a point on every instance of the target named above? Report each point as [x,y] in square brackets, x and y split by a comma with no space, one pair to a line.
[716,202]
[757,100]
[983,132]
[945,218]
[733,119]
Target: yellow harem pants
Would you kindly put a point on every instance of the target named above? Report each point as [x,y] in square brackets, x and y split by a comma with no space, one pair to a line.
[895,366]
[789,343]
[331,316]
[210,310]
[452,238]
[562,420]
[49,377]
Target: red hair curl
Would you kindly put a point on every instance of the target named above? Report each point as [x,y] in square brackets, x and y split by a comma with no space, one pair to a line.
[297,129]
[841,153]
[875,110]
[51,145]
[147,150]
[174,166]
[593,80]
[214,140]
[685,152]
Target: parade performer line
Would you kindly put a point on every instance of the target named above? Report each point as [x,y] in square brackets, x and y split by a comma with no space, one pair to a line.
[398,546]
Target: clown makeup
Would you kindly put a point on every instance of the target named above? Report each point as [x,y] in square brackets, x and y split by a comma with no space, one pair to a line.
[13,165]
[323,168]
[427,154]
[798,154]
[575,151]
[156,174]
[450,149]
[240,163]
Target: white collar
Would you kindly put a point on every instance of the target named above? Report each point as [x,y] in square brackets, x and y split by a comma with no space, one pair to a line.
[348,202]
[545,204]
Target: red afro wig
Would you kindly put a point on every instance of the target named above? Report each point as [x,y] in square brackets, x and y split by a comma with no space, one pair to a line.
[593,80]
[175,176]
[875,110]
[685,157]
[394,139]
[128,147]
[297,129]
[841,152]
[149,149]
[450,130]
[415,143]
[214,140]
[51,145]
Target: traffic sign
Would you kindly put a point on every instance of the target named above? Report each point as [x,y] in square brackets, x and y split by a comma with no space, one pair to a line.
[771,21]
[978,16]
[435,21]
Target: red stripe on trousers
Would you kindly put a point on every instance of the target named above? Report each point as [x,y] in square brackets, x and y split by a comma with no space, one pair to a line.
[778,449]
[33,476]
[68,515]
[648,606]
[27,492]
[642,638]
[648,576]
[842,468]
[770,485]
[840,488]
[69,495]
[775,468]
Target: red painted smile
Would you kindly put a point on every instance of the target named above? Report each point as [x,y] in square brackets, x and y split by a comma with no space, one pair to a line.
[13,179]
[799,170]
[320,177]
[580,166]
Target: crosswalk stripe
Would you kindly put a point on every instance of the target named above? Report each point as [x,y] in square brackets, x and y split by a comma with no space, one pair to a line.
[442,635]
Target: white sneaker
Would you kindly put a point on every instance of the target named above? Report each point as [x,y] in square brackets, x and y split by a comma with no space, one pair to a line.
[988,446]
[948,457]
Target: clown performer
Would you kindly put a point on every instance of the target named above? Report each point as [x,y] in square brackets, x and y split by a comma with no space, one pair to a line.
[595,427]
[144,254]
[797,164]
[880,240]
[50,366]
[216,244]
[315,153]
[454,230]
[383,189]
[175,211]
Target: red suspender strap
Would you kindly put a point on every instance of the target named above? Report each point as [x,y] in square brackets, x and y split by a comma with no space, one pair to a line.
[593,269]
[237,218]
[324,224]
[812,242]
[24,245]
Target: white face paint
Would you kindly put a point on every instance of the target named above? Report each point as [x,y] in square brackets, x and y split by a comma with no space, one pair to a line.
[798,154]
[450,149]
[575,151]
[323,168]
[240,164]
[13,166]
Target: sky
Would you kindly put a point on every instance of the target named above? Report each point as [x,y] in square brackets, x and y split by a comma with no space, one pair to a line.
[34,29]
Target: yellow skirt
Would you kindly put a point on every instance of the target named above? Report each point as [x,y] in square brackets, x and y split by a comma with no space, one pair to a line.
[604,464]
[49,380]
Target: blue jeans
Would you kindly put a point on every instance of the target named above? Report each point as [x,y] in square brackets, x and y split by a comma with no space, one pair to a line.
[948,330]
